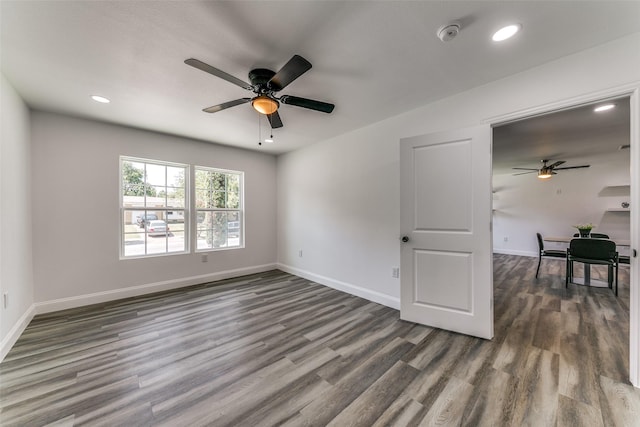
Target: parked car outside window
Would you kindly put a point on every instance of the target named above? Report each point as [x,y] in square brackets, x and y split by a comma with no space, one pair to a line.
[233,228]
[157,228]
[143,219]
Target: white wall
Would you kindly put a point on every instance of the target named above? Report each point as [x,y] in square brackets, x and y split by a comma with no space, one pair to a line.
[338,204]
[338,200]
[524,205]
[16,278]
[76,212]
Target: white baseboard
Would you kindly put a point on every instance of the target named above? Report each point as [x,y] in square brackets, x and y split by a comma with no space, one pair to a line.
[148,288]
[367,294]
[515,252]
[15,332]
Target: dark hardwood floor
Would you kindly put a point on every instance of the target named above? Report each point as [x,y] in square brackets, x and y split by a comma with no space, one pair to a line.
[275,349]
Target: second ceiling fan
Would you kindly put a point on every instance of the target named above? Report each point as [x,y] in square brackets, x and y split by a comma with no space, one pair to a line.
[265,84]
[547,171]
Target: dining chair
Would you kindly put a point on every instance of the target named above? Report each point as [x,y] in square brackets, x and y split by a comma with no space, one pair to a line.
[546,252]
[593,251]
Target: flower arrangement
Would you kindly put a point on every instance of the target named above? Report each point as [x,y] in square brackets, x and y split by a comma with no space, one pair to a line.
[588,226]
[584,229]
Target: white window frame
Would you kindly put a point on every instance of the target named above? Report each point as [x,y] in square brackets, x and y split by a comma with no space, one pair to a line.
[165,209]
[239,210]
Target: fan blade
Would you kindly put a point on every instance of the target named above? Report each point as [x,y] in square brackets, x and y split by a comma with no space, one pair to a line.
[558,163]
[293,69]
[524,173]
[572,167]
[274,120]
[525,169]
[307,103]
[226,105]
[218,73]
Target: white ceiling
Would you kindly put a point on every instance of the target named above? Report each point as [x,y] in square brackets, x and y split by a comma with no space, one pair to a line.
[578,136]
[372,59]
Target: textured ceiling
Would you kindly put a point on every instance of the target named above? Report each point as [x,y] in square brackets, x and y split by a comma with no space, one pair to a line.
[372,59]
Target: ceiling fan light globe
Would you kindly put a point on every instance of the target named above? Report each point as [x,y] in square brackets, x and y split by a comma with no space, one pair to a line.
[544,174]
[265,105]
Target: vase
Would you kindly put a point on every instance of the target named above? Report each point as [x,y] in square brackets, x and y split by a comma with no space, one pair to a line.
[584,233]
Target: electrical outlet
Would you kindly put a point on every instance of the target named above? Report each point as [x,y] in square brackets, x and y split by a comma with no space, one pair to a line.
[205,258]
[506,239]
[300,253]
[395,272]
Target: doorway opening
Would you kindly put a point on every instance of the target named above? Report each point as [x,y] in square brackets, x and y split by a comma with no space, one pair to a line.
[591,183]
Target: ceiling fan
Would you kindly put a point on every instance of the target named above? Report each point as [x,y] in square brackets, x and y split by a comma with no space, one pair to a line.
[265,84]
[547,171]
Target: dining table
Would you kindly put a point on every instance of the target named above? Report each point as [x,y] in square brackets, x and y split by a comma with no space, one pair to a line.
[587,267]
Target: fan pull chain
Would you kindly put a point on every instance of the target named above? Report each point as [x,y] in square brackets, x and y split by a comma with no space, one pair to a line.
[270,139]
[271,135]
[259,131]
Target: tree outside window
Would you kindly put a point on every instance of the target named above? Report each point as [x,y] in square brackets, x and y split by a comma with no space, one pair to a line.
[218,208]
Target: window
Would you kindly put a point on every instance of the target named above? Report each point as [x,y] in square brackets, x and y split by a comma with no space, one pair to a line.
[153,207]
[218,209]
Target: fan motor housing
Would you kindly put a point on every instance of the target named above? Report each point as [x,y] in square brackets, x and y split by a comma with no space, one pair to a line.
[260,76]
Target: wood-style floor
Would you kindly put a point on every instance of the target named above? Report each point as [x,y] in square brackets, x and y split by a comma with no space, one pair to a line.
[275,349]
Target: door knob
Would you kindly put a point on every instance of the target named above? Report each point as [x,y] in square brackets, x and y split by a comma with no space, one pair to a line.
[404,239]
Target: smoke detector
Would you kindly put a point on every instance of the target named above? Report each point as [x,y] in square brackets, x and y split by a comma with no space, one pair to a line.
[448,32]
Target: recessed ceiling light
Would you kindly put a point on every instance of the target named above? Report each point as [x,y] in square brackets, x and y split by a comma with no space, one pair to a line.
[604,107]
[101,99]
[506,32]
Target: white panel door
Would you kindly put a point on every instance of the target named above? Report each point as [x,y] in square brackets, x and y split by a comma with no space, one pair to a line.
[445,213]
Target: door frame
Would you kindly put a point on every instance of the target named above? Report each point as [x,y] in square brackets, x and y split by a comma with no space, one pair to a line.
[632,91]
